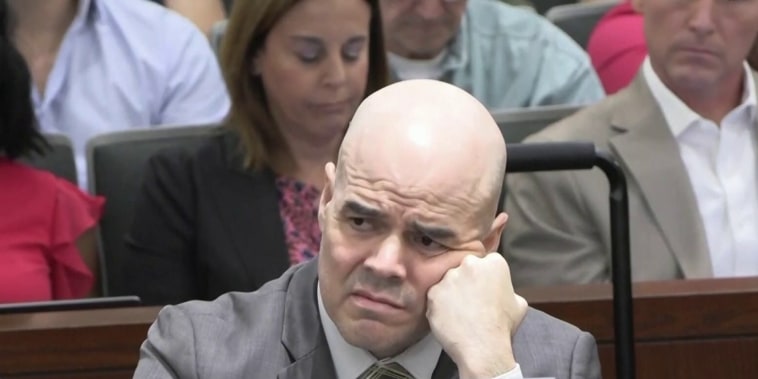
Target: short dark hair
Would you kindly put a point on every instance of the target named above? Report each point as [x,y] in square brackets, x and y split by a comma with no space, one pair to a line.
[19,133]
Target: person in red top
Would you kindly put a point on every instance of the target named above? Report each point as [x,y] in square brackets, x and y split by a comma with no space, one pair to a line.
[617,46]
[47,248]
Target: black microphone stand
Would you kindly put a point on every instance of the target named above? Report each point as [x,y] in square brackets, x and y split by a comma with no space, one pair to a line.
[529,157]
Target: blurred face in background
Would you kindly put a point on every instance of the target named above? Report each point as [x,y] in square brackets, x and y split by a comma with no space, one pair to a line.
[314,66]
[420,29]
[699,44]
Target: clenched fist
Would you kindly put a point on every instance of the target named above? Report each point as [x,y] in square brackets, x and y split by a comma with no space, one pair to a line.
[473,312]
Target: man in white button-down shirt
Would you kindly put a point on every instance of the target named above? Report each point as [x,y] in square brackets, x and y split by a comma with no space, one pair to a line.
[101,66]
[685,133]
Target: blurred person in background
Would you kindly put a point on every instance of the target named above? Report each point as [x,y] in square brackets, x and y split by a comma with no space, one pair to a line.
[685,132]
[47,241]
[504,55]
[617,47]
[242,208]
[101,66]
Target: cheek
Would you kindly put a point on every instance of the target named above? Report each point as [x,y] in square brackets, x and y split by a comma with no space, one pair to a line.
[391,14]
[359,77]
[342,253]
[285,83]
[425,274]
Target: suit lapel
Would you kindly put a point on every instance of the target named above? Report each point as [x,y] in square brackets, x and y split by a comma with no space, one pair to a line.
[302,334]
[650,154]
[248,205]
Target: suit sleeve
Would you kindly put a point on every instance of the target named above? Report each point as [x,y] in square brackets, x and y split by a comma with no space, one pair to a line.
[585,362]
[551,237]
[169,351]
[161,246]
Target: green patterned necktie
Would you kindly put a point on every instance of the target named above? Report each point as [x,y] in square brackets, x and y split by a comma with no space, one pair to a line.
[391,370]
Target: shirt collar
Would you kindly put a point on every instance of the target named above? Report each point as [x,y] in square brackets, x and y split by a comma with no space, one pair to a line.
[417,68]
[457,50]
[350,361]
[678,115]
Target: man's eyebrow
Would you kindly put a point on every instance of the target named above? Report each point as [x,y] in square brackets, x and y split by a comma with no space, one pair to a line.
[434,232]
[362,210]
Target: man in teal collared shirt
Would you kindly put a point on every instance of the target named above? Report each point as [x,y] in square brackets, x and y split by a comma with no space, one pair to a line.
[506,56]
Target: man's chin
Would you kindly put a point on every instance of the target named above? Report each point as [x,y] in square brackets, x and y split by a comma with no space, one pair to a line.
[366,333]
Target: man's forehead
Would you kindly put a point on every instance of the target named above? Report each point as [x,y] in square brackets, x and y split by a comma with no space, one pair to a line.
[425,205]
[410,179]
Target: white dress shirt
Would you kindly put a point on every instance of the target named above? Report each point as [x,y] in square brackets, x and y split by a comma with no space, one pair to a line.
[406,69]
[125,64]
[721,164]
[350,361]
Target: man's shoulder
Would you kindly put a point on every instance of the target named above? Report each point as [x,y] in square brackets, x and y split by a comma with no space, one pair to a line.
[537,322]
[148,23]
[263,306]
[494,18]
[591,123]
[547,346]
[498,18]
[238,332]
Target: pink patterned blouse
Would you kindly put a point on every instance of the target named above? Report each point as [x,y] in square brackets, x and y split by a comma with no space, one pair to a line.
[298,208]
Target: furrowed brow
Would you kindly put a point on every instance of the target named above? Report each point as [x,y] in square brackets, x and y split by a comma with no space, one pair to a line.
[355,208]
[435,233]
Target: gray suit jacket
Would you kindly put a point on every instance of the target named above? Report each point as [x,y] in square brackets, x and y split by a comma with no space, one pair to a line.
[275,332]
[559,229]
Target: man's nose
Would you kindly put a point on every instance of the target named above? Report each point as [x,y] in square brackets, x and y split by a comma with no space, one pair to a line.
[701,18]
[387,261]
[430,9]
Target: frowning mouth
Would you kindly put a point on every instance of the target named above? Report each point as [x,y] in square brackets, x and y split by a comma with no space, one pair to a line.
[697,50]
[372,300]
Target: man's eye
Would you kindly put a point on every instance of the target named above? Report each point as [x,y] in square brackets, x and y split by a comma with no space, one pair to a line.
[428,245]
[426,241]
[359,223]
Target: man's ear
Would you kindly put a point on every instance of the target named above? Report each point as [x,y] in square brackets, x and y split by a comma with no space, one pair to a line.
[491,241]
[327,193]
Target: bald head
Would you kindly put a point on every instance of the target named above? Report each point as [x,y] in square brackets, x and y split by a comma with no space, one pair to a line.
[427,134]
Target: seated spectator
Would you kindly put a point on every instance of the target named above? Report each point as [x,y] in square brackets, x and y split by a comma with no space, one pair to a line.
[617,47]
[506,56]
[684,132]
[47,244]
[102,66]
[204,13]
[240,210]
[408,284]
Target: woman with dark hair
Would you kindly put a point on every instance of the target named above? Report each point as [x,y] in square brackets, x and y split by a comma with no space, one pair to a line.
[240,210]
[47,247]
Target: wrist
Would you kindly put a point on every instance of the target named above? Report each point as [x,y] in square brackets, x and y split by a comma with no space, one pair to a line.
[489,365]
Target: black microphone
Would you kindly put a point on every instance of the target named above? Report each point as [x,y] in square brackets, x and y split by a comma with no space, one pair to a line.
[552,156]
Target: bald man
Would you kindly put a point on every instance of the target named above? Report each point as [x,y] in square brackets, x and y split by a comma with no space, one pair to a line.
[408,283]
